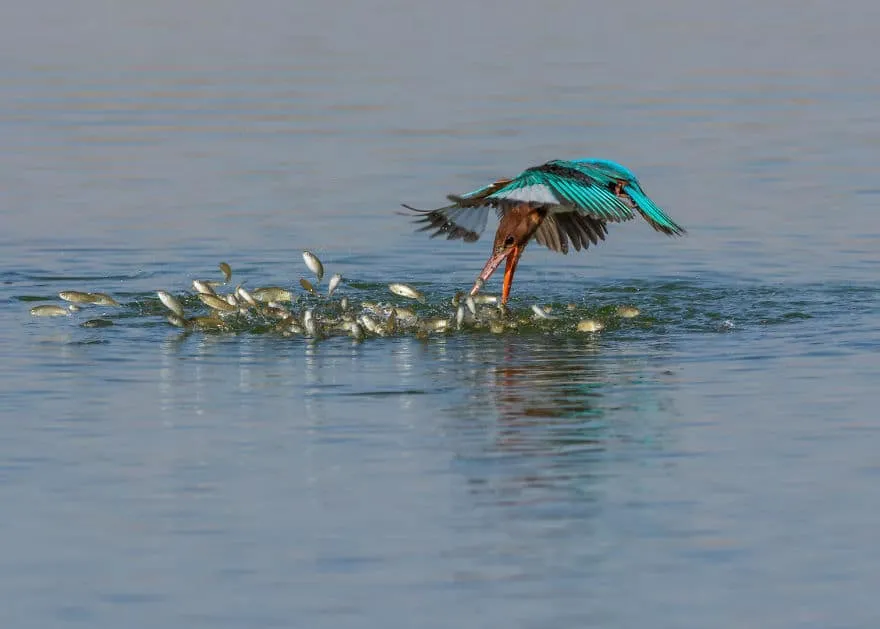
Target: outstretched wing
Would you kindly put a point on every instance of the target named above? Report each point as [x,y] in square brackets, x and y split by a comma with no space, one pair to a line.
[466,218]
[625,186]
[588,193]
[562,188]
[556,185]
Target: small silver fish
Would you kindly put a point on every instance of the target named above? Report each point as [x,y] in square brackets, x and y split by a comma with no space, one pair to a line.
[343,303]
[540,313]
[314,264]
[49,311]
[471,304]
[96,323]
[231,299]
[217,303]
[627,312]
[371,325]
[177,321]
[103,299]
[226,270]
[203,288]
[391,323]
[245,296]
[459,316]
[171,302]
[403,290]
[307,286]
[276,311]
[76,297]
[334,282]
[207,323]
[309,323]
[405,316]
[436,325]
[73,308]
[590,325]
[272,293]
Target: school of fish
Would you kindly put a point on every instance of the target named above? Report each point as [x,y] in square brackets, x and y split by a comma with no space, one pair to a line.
[218,306]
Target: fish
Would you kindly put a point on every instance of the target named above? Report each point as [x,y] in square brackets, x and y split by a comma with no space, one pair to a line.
[334,282]
[217,303]
[391,323]
[627,312]
[171,302]
[245,296]
[314,264]
[371,325]
[590,325]
[203,288]
[541,313]
[307,286]
[272,293]
[49,311]
[226,270]
[436,325]
[177,321]
[76,297]
[208,323]
[73,308]
[471,304]
[459,316]
[309,323]
[404,290]
[96,323]
[103,299]
[405,316]
[343,303]
[276,311]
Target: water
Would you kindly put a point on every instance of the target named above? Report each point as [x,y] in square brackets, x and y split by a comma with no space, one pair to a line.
[709,463]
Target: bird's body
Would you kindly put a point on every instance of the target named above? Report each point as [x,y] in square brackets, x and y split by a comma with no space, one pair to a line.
[557,203]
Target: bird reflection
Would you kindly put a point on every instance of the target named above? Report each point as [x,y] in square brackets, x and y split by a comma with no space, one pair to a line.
[545,396]
[541,417]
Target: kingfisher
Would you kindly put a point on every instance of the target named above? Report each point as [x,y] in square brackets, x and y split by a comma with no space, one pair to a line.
[554,203]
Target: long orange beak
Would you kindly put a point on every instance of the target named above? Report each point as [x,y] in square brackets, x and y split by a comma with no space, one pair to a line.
[512,255]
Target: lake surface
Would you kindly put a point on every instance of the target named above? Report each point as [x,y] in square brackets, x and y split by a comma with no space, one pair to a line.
[712,462]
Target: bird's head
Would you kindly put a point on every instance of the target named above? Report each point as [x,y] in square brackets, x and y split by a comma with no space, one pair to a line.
[516,228]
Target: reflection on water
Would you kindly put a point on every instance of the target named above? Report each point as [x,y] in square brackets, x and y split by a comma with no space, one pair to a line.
[540,416]
[664,472]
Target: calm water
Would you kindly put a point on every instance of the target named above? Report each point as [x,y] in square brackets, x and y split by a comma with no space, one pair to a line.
[712,463]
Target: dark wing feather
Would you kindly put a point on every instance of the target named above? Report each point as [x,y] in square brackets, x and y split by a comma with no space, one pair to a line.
[465,218]
[556,230]
[453,221]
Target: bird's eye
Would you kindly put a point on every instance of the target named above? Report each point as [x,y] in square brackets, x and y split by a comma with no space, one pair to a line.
[508,241]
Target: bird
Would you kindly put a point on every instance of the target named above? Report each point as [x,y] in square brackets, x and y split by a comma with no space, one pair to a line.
[555,203]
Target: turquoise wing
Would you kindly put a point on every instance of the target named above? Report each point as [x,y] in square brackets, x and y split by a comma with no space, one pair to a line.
[563,189]
[623,182]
